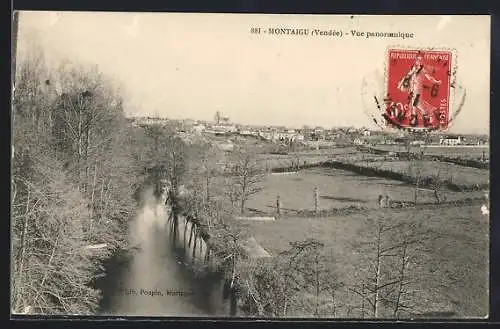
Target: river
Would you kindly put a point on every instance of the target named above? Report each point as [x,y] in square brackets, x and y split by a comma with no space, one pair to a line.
[149,279]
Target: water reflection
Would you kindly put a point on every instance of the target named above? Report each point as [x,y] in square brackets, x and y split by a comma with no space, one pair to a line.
[153,281]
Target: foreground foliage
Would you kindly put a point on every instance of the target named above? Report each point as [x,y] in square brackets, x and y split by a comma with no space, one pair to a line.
[73,176]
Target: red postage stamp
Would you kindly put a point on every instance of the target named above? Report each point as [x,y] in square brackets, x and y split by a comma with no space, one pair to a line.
[418,89]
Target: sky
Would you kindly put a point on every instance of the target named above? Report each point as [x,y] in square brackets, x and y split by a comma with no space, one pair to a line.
[190,65]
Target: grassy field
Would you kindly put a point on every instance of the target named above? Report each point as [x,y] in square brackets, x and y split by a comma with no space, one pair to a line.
[453,274]
[337,189]
[456,151]
[310,157]
[359,156]
[457,174]
[283,161]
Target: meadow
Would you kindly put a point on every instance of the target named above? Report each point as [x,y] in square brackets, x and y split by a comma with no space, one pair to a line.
[337,189]
[272,161]
[457,174]
[468,152]
[453,272]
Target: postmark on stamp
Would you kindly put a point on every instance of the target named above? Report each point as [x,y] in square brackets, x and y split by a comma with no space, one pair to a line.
[417,87]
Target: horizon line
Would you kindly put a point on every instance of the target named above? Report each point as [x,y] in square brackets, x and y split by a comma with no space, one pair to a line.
[356,126]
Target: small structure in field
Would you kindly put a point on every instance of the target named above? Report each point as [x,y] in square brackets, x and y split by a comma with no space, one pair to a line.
[451,140]
[253,249]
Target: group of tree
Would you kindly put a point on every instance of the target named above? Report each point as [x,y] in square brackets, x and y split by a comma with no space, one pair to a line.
[74,170]
[300,281]
[388,280]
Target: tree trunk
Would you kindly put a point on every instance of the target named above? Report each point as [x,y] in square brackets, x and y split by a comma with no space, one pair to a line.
[376,305]
[234,304]
[208,189]
[86,153]
[401,278]
[185,231]
[195,242]
[24,238]
[14,191]
[106,196]
[316,200]
[51,258]
[234,300]
[175,226]
[91,217]
[363,301]
[207,255]
[201,245]
[334,311]
[317,286]
[242,205]
[191,234]
[101,201]
[209,223]
[260,308]
[80,146]
[244,192]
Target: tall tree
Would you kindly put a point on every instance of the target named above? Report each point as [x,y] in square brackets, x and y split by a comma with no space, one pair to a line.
[386,283]
[71,184]
[246,175]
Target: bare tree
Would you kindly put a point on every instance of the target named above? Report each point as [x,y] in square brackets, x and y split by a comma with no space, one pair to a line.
[204,177]
[415,172]
[317,276]
[387,285]
[266,286]
[299,280]
[246,174]
[437,185]
[53,201]
[227,243]
[272,285]
[372,287]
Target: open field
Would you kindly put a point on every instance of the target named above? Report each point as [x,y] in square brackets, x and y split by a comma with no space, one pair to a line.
[357,156]
[311,157]
[457,174]
[469,152]
[272,161]
[337,189]
[453,272]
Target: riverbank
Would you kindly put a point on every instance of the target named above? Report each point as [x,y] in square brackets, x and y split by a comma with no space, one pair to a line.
[150,279]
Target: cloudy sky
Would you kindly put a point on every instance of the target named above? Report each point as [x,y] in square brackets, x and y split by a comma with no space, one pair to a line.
[191,65]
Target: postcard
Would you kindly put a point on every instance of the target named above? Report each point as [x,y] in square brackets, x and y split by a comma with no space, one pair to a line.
[250,165]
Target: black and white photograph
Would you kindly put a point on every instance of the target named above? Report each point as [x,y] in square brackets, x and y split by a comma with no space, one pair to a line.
[250,165]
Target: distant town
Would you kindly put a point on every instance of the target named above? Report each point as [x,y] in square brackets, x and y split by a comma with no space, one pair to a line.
[312,136]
